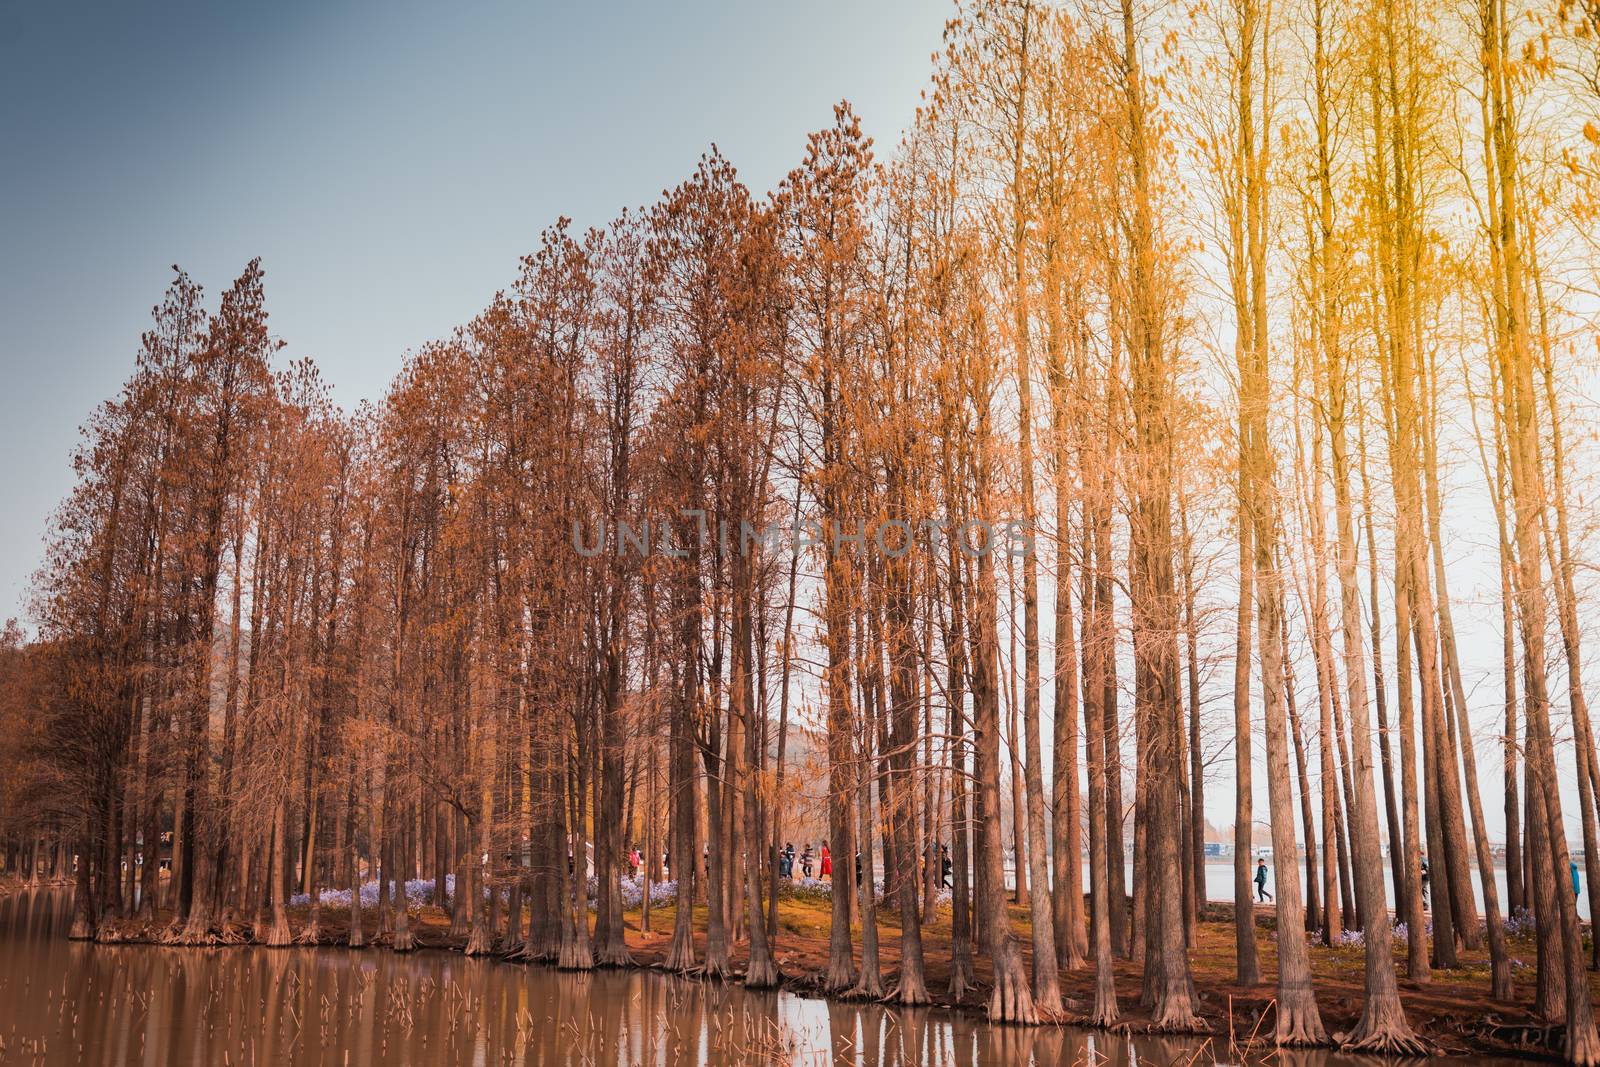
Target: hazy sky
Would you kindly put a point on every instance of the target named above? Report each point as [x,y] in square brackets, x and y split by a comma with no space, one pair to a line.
[389,162]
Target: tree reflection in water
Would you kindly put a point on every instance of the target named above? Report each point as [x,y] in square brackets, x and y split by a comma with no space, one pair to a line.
[67,1002]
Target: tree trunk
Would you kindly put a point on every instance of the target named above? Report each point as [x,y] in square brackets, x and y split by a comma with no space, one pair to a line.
[277,934]
[1104,1012]
[1308,824]
[1011,999]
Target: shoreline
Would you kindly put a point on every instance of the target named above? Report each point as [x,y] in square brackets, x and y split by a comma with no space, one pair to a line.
[1452,1012]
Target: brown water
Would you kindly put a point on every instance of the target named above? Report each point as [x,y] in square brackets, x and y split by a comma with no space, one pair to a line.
[64,1002]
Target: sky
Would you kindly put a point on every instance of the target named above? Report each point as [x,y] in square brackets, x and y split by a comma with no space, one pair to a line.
[389,162]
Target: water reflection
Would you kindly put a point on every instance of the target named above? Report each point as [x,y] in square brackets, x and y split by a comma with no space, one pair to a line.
[64,1002]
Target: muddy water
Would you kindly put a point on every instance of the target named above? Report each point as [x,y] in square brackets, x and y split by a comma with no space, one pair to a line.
[63,1002]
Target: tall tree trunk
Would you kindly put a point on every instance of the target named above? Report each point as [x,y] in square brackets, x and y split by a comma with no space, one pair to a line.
[1308,822]
[1383,1026]
[1104,1011]
[858,870]
[761,972]
[1392,825]
[1156,602]
[1011,999]
[1197,794]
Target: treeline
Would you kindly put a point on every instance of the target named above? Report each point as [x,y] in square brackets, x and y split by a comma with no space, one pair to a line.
[1139,377]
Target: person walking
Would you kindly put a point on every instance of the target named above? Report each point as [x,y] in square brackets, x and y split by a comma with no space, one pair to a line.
[1261,881]
[807,861]
[945,867]
[1574,865]
[827,863]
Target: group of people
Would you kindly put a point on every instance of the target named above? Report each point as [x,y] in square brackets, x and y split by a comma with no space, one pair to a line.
[806,861]
[789,862]
[802,864]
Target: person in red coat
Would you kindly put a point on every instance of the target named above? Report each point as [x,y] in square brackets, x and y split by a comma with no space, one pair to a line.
[827,863]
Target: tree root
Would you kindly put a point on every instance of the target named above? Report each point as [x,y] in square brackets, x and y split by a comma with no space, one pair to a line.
[1390,1043]
[1096,1018]
[546,952]
[1010,1001]
[1581,1047]
[1104,1019]
[278,935]
[1299,1024]
[868,987]
[718,964]
[961,982]
[713,969]
[763,975]
[908,994]
[840,975]
[680,954]
[575,954]
[479,943]
[1383,1031]
[1178,1019]
[190,934]
[200,929]
[613,956]
[1299,1033]
[574,959]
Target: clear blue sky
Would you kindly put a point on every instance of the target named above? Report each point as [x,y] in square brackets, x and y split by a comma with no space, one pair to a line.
[390,162]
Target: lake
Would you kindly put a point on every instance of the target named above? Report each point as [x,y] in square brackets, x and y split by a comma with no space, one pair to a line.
[64,1002]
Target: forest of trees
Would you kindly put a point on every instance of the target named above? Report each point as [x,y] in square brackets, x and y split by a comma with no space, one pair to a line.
[1148,378]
